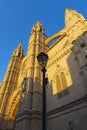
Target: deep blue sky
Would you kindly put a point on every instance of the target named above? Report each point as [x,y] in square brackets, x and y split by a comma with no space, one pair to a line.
[18,16]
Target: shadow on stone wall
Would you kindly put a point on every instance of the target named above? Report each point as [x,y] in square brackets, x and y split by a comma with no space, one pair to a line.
[7,124]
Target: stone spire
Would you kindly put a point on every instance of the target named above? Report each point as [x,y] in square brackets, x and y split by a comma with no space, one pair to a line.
[72,16]
[11,77]
[18,51]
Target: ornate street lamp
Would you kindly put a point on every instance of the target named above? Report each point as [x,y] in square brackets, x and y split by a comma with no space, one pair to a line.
[71,125]
[24,85]
[43,58]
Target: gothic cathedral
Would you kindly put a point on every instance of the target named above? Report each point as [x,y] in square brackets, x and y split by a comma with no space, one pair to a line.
[66,91]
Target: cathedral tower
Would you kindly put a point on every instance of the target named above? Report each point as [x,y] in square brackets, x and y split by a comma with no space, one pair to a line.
[9,82]
[33,79]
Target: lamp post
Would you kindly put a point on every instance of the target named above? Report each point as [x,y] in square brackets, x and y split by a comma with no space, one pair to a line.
[71,125]
[43,58]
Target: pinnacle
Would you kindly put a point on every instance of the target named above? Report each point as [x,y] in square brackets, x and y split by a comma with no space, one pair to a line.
[38,23]
[37,27]
[72,16]
[20,45]
[68,9]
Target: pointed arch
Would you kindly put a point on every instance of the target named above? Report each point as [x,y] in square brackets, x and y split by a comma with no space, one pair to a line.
[58,84]
[63,81]
[60,79]
[13,104]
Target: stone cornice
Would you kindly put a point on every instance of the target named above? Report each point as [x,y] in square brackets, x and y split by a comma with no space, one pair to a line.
[72,106]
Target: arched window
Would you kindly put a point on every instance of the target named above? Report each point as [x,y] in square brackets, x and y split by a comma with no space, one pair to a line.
[63,81]
[58,84]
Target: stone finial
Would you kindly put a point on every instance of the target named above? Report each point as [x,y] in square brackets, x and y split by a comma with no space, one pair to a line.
[20,46]
[37,27]
[18,51]
[72,16]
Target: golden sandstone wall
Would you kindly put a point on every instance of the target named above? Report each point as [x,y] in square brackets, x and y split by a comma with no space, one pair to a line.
[67,74]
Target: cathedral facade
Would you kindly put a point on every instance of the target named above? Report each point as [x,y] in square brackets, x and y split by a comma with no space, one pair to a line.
[66,91]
